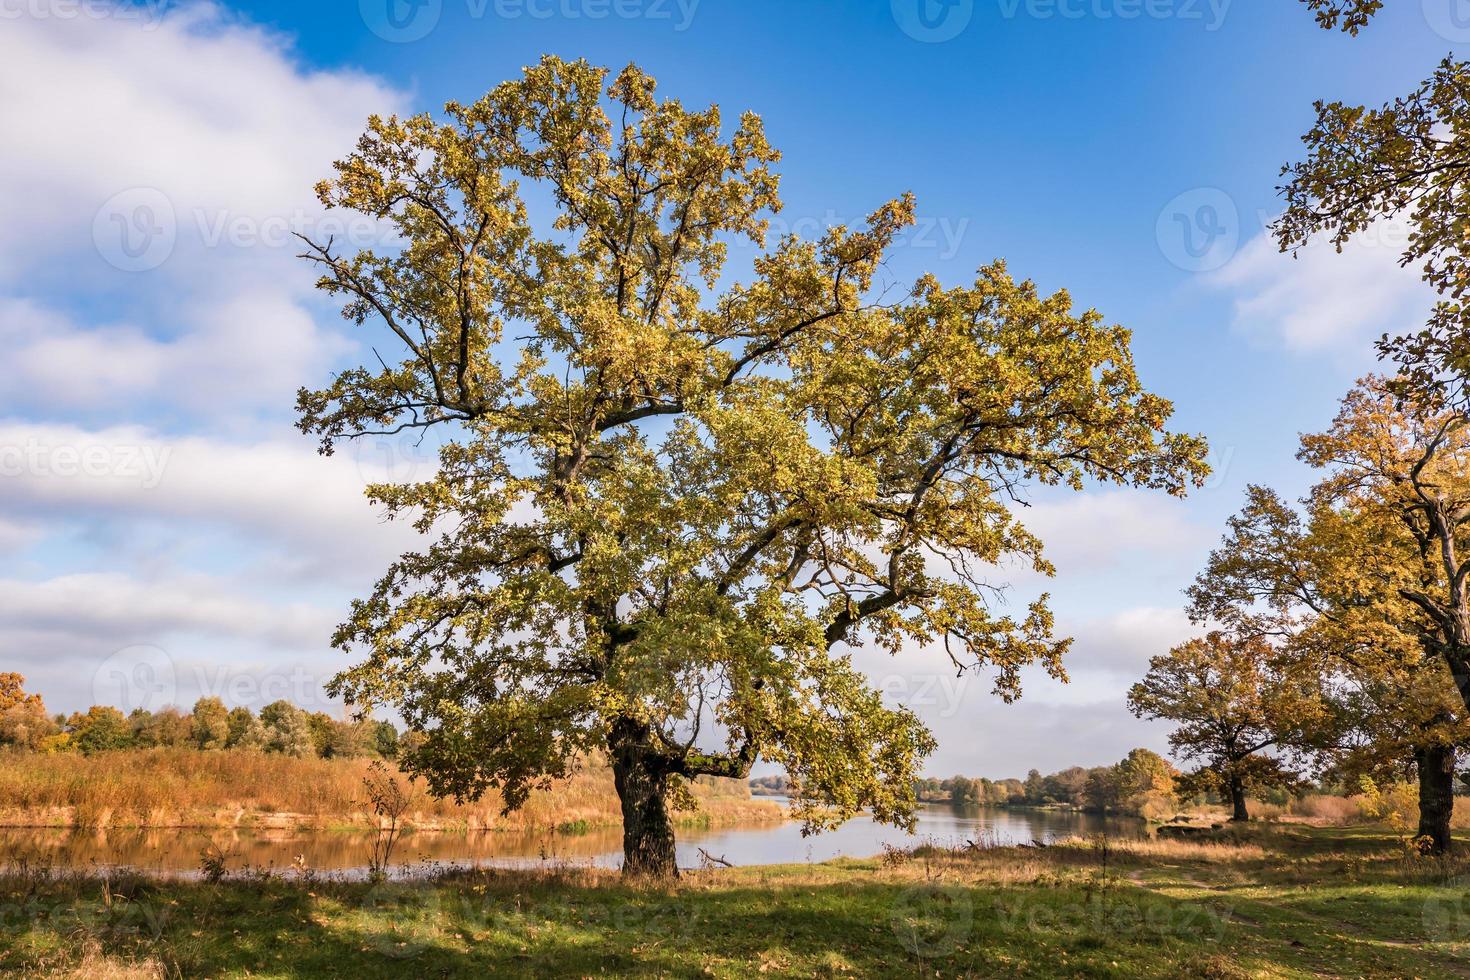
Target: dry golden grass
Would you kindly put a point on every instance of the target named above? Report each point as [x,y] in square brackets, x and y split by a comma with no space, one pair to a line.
[1330,810]
[91,963]
[1398,806]
[184,788]
[1262,901]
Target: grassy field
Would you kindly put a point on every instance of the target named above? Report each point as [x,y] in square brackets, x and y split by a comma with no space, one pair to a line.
[1276,902]
[169,788]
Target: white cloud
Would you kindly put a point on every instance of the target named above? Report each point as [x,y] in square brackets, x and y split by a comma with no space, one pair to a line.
[15,536]
[1099,530]
[1084,722]
[129,610]
[310,509]
[52,361]
[242,351]
[195,140]
[1003,741]
[1322,300]
[214,113]
[1123,642]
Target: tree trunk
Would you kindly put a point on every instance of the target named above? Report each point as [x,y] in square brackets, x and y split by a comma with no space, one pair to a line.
[1238,814]
[642,780]
[1436,765]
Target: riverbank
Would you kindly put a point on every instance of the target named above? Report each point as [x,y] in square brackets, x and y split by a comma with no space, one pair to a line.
[178,852]
[1273,902]
[245,790]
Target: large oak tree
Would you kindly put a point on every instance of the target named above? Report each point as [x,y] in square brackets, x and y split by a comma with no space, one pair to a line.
[668,506]
[1372,577]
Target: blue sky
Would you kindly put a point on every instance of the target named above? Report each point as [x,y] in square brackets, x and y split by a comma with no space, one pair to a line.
[164,532]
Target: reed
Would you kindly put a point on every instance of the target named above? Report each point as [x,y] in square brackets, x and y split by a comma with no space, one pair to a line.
[159,788]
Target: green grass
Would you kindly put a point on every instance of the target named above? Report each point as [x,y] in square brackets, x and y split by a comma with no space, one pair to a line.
[1276,902]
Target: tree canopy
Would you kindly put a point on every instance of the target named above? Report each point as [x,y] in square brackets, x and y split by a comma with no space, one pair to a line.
[1368,582]
[1232,700]
[666,505]
[1349,16]
[1408,158]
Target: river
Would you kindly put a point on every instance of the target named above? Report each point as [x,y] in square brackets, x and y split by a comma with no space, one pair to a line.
[177,851]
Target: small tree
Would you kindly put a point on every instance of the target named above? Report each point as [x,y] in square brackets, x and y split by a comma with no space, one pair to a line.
[385,739]
[246,731]
[287,730]
[1145,783]
[386,804]
[211,725]
[324,732]
[663,513]
[1068,786]
[1035,788]
[101,729]
[351,739]
[1103,791]
[166,728]
[24,723]
[1232,703]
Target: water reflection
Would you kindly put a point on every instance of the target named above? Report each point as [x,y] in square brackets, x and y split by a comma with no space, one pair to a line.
[178,851]
[941,824]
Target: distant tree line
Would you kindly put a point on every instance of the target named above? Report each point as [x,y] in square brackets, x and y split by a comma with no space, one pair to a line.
[1142,784]
[280,727]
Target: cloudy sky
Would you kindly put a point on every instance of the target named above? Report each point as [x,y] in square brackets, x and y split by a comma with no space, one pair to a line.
[165,532]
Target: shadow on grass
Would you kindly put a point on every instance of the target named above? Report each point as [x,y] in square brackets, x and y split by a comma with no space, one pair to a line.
[1285,903]
[823,927]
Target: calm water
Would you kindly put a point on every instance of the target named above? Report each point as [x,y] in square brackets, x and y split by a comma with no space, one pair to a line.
[178,851]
